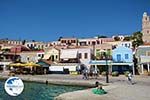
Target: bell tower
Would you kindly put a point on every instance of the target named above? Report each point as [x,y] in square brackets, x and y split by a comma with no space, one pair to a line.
[146,28]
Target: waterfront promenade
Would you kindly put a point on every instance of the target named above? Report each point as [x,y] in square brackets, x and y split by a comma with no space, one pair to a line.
[59,79]
[118,88]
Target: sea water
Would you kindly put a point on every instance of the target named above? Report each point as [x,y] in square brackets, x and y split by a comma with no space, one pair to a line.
[38,91]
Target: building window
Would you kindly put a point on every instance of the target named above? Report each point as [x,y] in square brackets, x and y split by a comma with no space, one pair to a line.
[31,45]
[80,55]
[73,41]
[63,41]
[119,57]
[42,46]
[129,45]
[6,57]
[93,43]
[56,56]
[85,55]
[42,55]
[126,56]
[98,42]
[145,18]
[147,31]
[148,53]
[39,55]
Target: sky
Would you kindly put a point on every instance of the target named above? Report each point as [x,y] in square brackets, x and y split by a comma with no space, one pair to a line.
[47,20]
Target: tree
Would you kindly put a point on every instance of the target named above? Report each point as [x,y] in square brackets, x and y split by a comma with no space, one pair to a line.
[60,38]
[33,40]
[101,36]
[116,38]
[137,39]
[127,38]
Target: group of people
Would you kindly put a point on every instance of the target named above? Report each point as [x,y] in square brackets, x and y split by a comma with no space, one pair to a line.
[93,73]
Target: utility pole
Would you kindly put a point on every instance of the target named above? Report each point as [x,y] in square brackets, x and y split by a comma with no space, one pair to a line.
[107,72]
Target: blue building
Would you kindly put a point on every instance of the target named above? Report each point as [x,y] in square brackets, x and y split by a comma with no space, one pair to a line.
[122,54]
[122,59]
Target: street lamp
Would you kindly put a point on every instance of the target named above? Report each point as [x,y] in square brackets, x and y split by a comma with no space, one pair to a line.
[107,78]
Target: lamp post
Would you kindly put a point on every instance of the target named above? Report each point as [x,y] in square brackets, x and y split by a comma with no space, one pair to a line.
[107,78]
[14,58]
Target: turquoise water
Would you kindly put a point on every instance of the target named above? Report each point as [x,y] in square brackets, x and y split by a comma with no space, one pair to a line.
[38,91]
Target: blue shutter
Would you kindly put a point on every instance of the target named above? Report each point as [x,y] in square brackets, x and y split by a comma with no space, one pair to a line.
[126,56]
[118,57]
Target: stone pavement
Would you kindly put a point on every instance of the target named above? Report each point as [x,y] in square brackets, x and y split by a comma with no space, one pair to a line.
[118,89]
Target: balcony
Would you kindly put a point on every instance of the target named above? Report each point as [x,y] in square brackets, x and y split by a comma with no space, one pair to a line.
[103,58]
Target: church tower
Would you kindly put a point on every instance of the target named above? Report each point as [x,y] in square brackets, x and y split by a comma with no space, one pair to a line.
[146,28]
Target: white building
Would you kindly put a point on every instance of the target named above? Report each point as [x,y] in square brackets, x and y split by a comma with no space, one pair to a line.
[37,45]
[93,41]
[80,55]
[127,44]
[31,56]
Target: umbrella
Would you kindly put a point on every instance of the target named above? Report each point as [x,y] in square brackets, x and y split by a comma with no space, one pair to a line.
[16,64]
[31,64]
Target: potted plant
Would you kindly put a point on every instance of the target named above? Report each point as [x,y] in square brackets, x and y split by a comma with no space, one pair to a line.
[115,73]
[148,73]
[126,73]
[103,73]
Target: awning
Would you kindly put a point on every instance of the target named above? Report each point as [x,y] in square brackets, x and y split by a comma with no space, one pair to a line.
[109,62]
[100,62]
[125,63]
[68,54]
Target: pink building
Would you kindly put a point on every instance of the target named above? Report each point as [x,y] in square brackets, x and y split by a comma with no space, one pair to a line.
[68,41]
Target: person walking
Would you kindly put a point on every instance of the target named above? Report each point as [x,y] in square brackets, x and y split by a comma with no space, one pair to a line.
[85,74]
[130,78]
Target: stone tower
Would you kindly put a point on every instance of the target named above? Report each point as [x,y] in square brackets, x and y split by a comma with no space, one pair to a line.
[146,28]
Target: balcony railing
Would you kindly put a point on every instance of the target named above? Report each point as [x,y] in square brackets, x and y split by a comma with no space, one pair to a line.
[104,58]
[6,60]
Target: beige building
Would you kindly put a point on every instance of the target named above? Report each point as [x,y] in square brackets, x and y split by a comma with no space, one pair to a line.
[101,49]
[52,54]
[146,28]
[143,57]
